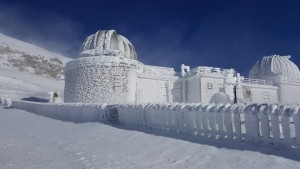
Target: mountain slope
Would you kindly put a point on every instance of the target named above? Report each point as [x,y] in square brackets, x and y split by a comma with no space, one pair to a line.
[22,56]
[16,85]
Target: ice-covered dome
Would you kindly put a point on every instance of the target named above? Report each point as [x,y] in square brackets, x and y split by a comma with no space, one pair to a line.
[274,65]
[108,42]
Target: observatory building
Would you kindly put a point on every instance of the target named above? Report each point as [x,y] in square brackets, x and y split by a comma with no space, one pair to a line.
[108,71]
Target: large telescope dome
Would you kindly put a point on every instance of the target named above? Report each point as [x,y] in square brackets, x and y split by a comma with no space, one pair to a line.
[108,43]
[274,65]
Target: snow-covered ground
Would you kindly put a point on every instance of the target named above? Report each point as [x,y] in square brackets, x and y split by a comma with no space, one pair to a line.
[17,85]
[31,141]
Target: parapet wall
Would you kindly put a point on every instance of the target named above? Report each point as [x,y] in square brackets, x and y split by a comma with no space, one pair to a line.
[267,124]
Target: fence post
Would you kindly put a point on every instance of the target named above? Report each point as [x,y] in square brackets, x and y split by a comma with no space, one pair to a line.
[136,115]
[252,123]
[130,115]
[126,114]
[275,113]
[227,111]
[264,123]
[165,116]
[221,120]
[286,128]
[143,114]
[296,118]
[212,119]
[181,118]
[237,122]
[255,123]
[170,114]
[143,108]
[175,118]
[247,112]
[197,111]
[149,114]
[159,116]
[146,108]
[156,116]
[190,122]
[204,119]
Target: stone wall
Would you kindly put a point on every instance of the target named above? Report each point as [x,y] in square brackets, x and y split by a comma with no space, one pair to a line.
[98,82]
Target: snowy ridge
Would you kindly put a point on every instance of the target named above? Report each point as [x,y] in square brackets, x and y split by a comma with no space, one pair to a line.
[231,122]
[28,48]
[16,54]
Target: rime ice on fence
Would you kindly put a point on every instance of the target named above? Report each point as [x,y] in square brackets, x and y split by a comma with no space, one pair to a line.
[267,124]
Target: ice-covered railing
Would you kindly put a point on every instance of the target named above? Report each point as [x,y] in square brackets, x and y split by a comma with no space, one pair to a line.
[269,124]
[75,112]
[263,124]
[256,81]
[202,70]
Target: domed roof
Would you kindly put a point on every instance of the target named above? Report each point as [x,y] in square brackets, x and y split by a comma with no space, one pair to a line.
[108,42]
[271,66]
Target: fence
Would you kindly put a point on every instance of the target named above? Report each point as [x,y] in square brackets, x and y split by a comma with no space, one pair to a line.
[270,124]
[67,111]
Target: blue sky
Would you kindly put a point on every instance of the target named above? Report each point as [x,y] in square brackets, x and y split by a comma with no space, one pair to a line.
[226,34]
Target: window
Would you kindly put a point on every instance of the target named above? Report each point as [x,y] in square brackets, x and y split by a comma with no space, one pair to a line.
[209,85]
[117,83]
[221,89]
[247,94]
[267,96]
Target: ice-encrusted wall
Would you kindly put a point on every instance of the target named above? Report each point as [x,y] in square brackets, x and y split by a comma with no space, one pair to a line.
[289,89]
[193,89]
[110,79]
[254,93]
[156,85]
[98,80]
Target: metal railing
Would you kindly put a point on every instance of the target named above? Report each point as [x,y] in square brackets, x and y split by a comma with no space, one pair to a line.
[256,81]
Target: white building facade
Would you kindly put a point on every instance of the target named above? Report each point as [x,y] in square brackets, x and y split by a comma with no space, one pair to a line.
[108,72]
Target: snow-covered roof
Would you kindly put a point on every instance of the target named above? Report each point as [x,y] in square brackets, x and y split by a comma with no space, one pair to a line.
[274,65]
[108,42]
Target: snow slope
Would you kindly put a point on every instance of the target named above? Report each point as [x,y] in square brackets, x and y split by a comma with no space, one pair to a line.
[32,141]
[23,56]
[15,84]
[27,70]
[28,48]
